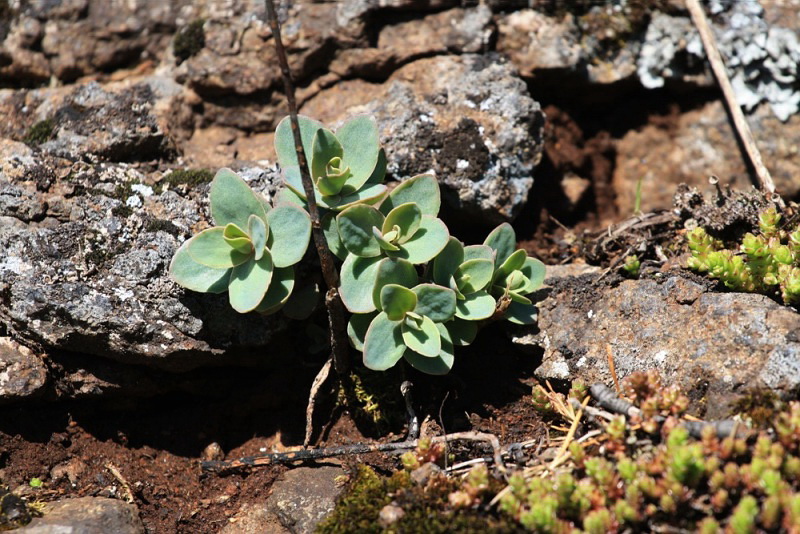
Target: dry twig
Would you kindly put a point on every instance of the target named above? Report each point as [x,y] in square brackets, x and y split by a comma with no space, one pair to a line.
[740,123]
[127,494]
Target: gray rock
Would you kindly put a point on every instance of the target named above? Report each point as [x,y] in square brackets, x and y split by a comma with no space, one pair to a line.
[468,119]
[536,42]
[92,277]
[87,515]
[22,373]
[714,345]
[300,500]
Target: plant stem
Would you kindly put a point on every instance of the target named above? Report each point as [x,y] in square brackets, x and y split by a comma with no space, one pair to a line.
[333,302]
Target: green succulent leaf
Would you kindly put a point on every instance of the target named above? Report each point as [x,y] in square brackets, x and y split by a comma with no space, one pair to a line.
[284,140]
[328,170]
[422,336]
[361,144]
[249,283]
[287,195]
[383,343]
[441,364]
[423,190]
[518,313]
[357,328]
[370,195]
[289,233]
[280,289]
[462,332]
[503,241]
[392,271]
[407,218]
[384,241]
[426,243]
[210,248]
[357,283]
[330,228]
[534,270]
[475,307]
[196,276]
[397,301]
[237,238]
[379,173]
[257,229]
[302,302]
[355,229]
[474,275]
[475,252]
[447,261]
[513,263]
[232,200]
[436,302]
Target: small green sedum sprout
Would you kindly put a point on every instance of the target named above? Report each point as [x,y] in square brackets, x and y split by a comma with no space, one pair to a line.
[249,253]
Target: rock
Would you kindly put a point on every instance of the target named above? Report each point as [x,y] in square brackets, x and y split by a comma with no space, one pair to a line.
[300,500]
[87,515]
[22,373]
[714,345]
[70,39]
[124,121]
[468,119]
[455,31]
[92,279]
[535,42]
[701,144]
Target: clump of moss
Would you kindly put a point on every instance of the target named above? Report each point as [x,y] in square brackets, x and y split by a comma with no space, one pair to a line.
[190,177]
[373,400]
[426,507]
[123,211]
[161,225]
[39,133]
[189,40]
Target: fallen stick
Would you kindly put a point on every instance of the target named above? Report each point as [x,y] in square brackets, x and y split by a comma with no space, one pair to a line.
[740,123]
[262,460]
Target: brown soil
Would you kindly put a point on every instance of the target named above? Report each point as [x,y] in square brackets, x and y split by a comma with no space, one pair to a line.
[157,444]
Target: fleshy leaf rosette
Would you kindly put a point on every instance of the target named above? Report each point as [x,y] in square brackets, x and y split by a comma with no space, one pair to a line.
[249,253]
[408,323]
[401,229]
[515,275]
[347,167]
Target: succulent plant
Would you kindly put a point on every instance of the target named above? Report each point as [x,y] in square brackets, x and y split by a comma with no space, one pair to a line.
[515,275]
[347,167]
[249,253]
[404,228]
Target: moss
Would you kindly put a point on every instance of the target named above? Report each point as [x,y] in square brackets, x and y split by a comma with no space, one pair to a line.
[374,401]
[189,40]
[123,210]
[425,508]
[760,405]
[161,225]
[190,177]
[39,133]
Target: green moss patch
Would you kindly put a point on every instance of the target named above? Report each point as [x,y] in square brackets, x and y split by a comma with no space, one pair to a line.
[189,40]
[39,133]
[189,177]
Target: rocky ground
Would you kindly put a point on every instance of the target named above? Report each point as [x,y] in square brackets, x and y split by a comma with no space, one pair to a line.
[115,382]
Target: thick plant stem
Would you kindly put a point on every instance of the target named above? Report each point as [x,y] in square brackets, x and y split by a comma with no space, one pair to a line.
[333,302]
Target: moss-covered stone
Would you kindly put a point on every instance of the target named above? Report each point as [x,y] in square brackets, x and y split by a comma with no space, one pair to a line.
[39,133]
[189,40]
[14,512]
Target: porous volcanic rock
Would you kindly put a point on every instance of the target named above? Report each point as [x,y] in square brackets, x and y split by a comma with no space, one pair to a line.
[89,276]
[469,119]
[22,373]
[715,345]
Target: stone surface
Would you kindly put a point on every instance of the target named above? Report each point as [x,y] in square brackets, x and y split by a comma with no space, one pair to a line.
[91,276]
[536,42]
[300,499]
[702,144]
[467,119]
[22,373]
[87,515]
[715,345]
